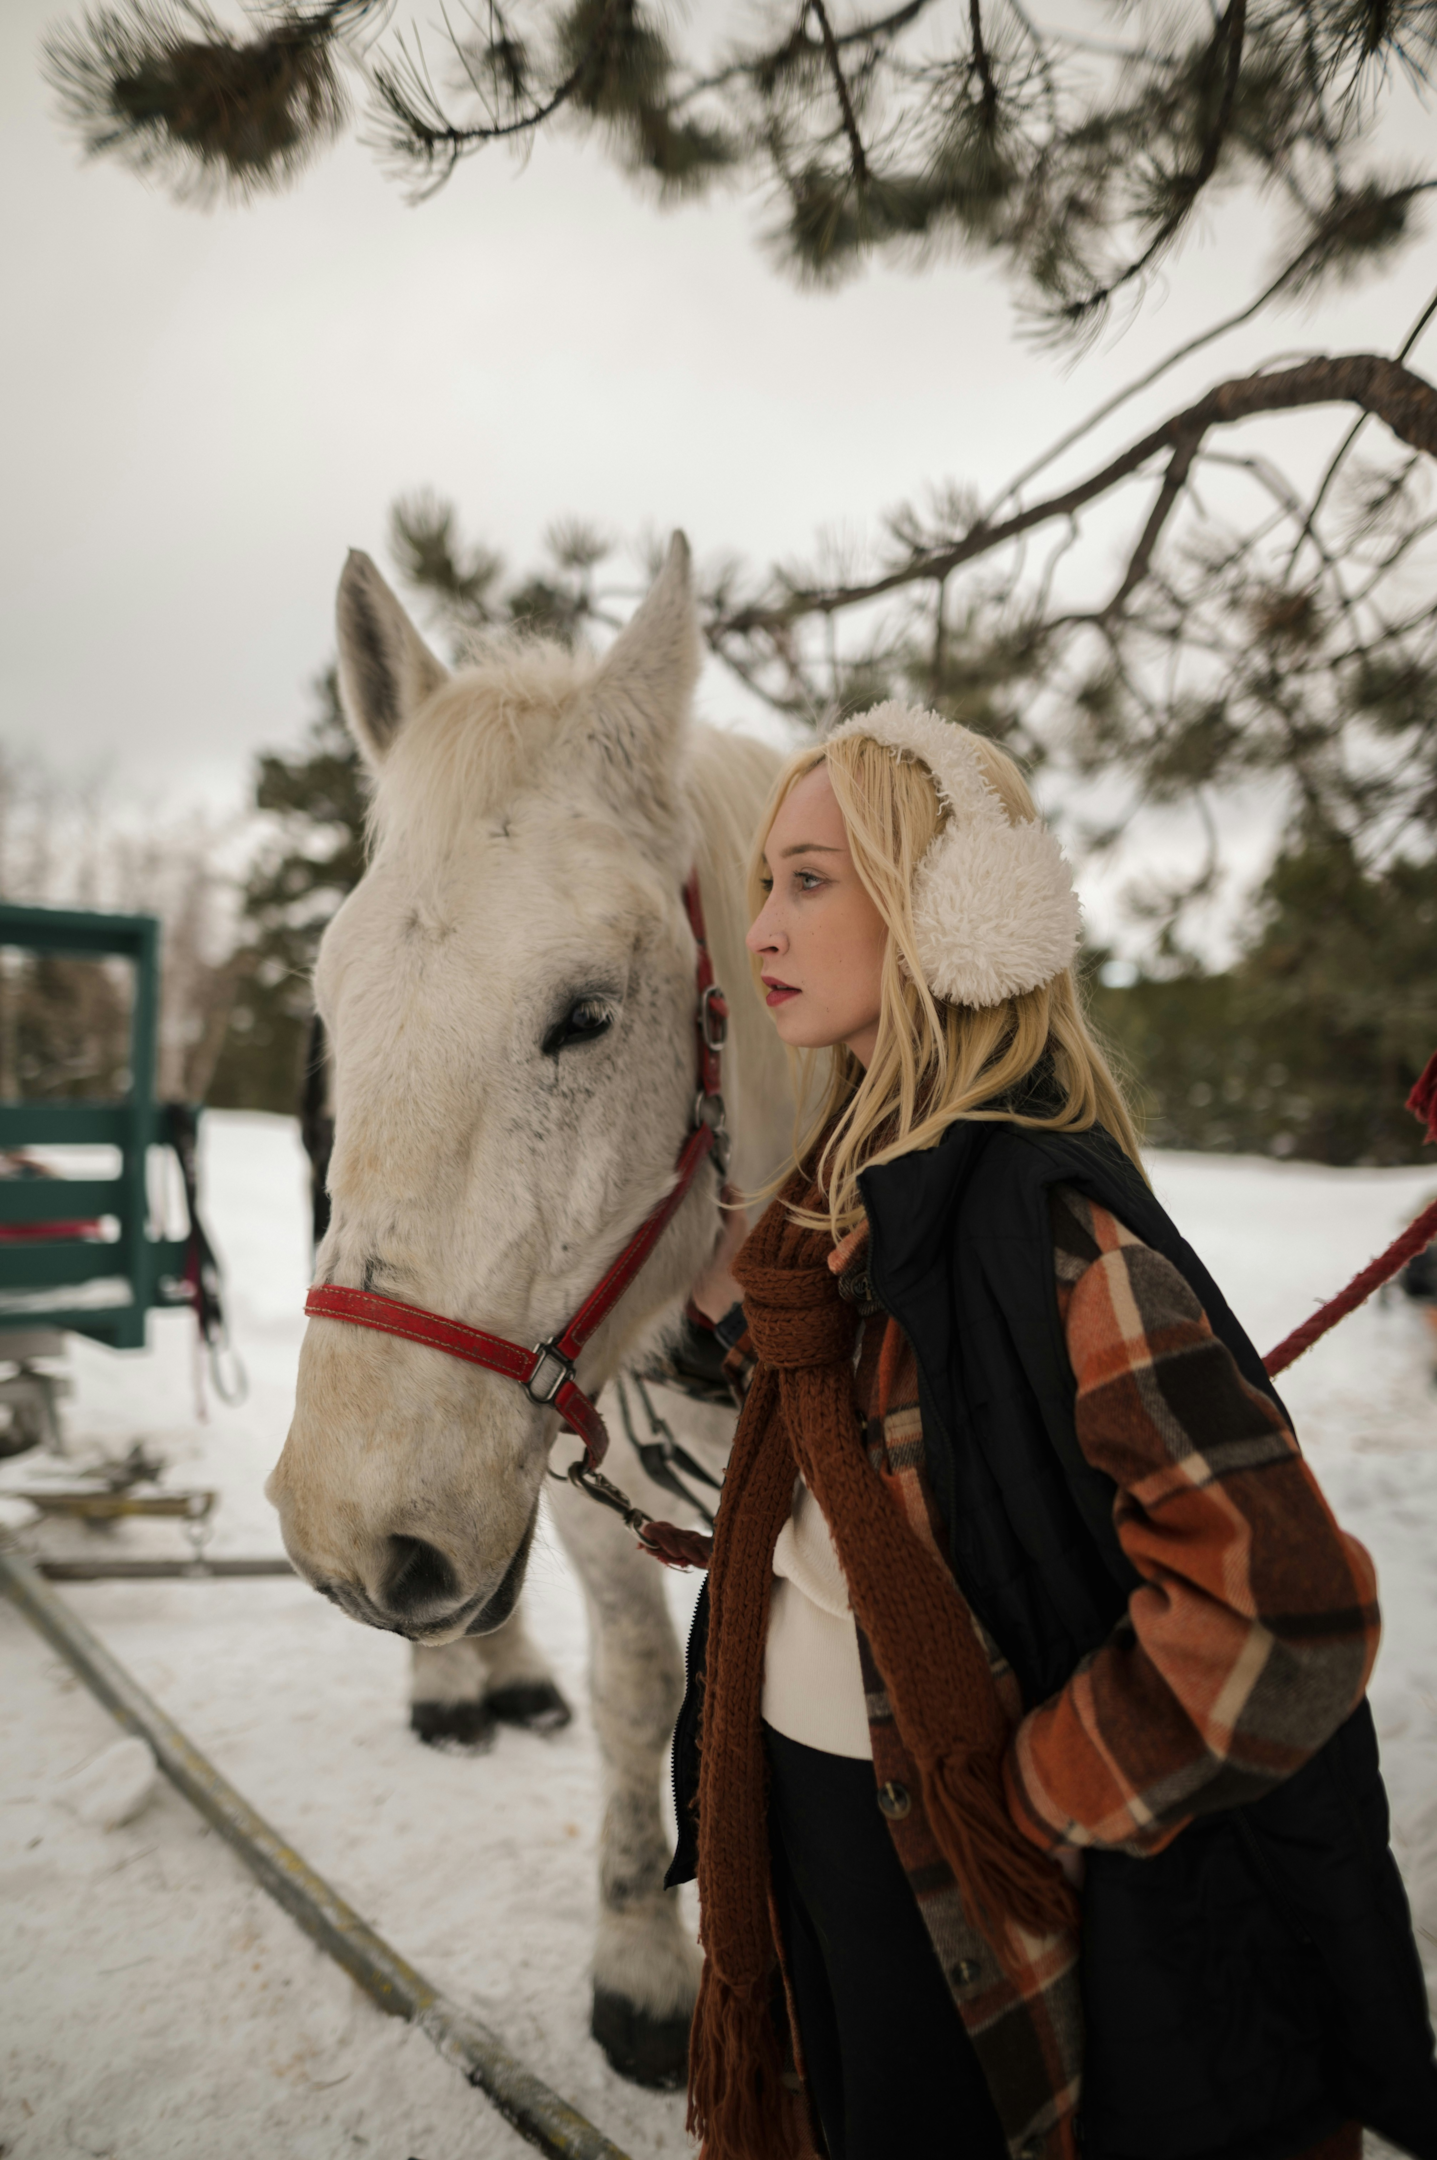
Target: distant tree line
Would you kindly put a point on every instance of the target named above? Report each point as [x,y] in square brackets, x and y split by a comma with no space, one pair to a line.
[1309,1044]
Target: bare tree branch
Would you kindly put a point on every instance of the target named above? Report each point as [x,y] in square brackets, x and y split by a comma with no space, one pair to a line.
[1385,388]
[1349,439]
[1290,272]
[1174,481]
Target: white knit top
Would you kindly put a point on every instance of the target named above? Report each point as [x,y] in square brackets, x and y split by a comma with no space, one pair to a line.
[812,1680]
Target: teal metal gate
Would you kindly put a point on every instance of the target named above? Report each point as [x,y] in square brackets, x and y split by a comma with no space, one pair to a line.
[104,1281]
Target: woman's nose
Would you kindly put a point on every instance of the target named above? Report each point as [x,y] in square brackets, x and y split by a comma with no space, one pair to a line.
[762,936]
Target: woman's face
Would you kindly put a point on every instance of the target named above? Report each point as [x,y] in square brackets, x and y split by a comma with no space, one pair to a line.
[819,938]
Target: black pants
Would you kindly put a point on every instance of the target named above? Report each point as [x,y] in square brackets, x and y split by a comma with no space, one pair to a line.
[890,2065]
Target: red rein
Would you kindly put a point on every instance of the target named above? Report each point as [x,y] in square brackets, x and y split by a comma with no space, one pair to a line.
[1422,1102]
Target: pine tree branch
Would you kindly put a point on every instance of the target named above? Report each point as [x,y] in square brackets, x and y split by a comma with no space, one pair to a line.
[757,67]
[425,132]
[1406,402]
[840,83]
[981,62]
[1227,42]
[165,86]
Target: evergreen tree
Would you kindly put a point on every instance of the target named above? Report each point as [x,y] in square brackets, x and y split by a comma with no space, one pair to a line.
[1310,1044]
[316,855]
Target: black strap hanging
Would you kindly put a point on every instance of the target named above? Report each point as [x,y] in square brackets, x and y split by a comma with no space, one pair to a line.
[202,1268]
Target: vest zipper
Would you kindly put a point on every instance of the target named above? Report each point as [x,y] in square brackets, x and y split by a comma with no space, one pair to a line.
[699,1607]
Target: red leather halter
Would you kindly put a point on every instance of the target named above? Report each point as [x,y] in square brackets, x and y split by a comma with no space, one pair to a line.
[546,1372]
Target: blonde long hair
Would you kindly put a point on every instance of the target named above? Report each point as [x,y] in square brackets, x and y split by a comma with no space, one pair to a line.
[933,1062]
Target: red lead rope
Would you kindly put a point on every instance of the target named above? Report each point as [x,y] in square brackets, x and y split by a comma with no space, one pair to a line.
[1418,1235]
[546,1371]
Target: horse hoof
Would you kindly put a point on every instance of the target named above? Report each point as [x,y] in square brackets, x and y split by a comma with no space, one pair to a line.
[646,2050]
[468,1725]
[536,1704]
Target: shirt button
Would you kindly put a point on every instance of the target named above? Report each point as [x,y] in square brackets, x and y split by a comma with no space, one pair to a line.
[1032,2148]
[893,1800]
[966,1971]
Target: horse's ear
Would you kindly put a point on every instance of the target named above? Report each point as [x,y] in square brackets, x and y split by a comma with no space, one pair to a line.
[646,684]
[385,667]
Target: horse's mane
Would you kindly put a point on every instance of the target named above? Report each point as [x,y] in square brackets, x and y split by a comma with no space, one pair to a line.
[729,780]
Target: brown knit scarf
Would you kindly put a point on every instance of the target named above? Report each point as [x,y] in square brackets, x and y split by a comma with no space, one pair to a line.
[801,1414]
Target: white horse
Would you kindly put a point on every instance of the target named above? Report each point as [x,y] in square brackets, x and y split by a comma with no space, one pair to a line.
[510,999]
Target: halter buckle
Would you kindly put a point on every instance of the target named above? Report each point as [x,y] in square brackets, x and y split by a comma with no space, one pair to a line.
[710,1110]
[713,1018]
[549,1375]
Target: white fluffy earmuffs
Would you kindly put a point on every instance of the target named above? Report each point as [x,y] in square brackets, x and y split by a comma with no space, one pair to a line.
[993,903]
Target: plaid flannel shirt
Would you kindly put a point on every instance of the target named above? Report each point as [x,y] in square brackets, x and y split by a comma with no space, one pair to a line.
[1251,1636]
[1255,1627]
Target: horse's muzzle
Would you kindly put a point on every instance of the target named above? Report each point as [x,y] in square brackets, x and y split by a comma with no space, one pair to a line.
[419,1595]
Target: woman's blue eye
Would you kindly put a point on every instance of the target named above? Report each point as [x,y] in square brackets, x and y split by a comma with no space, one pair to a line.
[765,884]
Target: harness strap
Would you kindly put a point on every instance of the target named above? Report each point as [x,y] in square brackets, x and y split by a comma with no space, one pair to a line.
[606,1294]
[388,1316]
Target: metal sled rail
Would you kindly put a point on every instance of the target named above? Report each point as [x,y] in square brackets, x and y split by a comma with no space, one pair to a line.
[123,1569]
[523,2099]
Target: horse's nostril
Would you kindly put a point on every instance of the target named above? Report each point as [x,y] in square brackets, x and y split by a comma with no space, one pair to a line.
[419,1577]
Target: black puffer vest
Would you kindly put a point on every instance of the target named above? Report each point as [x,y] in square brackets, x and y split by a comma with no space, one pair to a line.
[1256,1984]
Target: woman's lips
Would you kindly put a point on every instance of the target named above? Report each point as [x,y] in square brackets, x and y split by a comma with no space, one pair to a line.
[778,992]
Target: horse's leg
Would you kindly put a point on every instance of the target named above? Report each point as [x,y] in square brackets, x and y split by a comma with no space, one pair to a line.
[446,1696]
[518,1685]
[459,1692]
[646,1965]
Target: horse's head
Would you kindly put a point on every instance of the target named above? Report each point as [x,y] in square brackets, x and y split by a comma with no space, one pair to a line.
[509,998]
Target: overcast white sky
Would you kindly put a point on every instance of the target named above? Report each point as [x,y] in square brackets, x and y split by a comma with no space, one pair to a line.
[204,411]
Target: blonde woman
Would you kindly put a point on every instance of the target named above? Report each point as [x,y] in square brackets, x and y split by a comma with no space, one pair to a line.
[1025,1766]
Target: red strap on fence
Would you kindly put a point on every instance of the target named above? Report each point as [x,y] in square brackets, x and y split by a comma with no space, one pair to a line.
[1422,1102]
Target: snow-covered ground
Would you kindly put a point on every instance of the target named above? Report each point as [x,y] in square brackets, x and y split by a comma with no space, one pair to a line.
[155,2005]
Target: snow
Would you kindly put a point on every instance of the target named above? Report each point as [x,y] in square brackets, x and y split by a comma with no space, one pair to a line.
[114,1786]
[155,2003]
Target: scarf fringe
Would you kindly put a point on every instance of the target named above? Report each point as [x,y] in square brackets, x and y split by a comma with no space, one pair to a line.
[1002,1879]
[736,2090]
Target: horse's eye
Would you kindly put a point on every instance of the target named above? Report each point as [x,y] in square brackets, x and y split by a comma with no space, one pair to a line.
[586,1018]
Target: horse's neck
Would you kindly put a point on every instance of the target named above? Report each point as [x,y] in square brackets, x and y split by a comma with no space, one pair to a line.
[729,777]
